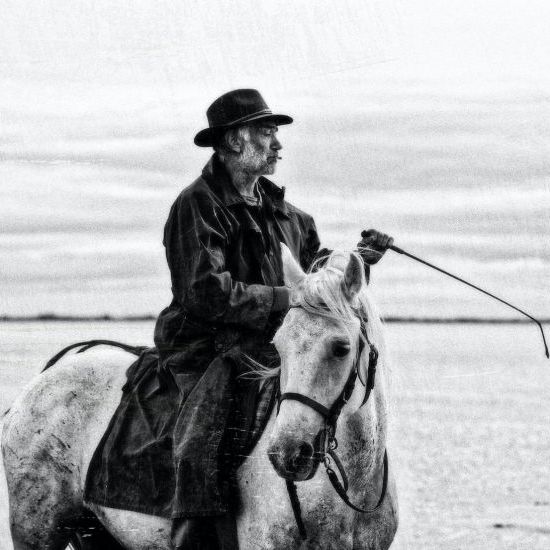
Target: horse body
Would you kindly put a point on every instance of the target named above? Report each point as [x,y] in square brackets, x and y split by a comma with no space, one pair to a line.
[53,429]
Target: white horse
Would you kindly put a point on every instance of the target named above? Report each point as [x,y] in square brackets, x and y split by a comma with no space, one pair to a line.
[54,427]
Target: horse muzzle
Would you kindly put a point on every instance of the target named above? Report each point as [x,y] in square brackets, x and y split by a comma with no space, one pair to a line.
[295,459]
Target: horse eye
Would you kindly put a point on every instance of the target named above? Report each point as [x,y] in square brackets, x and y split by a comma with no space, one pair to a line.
[340,349]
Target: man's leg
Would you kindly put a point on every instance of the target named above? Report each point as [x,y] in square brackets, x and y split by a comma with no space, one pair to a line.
[226,529]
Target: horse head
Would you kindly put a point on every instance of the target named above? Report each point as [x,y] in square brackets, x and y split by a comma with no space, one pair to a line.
[321,343]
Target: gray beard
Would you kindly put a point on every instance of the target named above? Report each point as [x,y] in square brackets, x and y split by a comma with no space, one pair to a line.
[254,163]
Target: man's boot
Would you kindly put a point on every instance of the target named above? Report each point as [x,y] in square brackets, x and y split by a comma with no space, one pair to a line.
[194,534]
[205,533]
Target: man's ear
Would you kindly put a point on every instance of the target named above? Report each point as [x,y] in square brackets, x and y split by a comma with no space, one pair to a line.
[232,140]
[291,268]
[353,277]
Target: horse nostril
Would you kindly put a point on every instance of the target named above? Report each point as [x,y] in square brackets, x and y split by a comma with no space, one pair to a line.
[302,456]
[306,450]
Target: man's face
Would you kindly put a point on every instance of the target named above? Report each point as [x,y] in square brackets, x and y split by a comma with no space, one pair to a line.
[259,153]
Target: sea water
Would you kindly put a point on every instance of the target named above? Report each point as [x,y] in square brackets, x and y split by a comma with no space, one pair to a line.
[456,169]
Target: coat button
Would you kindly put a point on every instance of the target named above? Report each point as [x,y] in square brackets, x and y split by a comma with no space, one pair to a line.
[219,347]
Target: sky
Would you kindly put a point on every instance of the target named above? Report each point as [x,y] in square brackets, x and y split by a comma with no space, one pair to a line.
[428,120]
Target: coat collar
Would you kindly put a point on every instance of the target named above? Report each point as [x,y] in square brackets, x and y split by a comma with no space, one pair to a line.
[219,181]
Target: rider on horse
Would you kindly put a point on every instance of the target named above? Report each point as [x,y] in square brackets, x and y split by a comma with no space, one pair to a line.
[187,417]
[222,242]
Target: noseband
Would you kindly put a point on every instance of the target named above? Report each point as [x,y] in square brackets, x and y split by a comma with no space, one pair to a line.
[328,443]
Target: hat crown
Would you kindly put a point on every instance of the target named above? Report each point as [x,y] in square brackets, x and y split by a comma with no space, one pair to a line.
[235,106]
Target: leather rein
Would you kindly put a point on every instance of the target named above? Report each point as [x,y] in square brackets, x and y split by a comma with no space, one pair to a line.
[329,444]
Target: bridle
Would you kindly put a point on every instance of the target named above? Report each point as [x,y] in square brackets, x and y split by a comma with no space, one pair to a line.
[327,444]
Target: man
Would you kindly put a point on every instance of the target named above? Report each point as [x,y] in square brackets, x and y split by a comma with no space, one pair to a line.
[222,242]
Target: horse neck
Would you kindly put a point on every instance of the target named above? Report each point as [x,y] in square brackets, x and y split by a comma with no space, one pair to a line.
[361,434]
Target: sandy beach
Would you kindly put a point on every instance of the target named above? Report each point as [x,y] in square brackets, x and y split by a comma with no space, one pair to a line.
[470,437]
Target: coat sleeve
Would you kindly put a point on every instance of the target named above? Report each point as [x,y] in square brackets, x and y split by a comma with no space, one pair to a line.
[196,238]
[311,250]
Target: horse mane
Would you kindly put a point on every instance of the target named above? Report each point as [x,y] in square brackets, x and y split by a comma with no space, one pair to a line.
[321,293]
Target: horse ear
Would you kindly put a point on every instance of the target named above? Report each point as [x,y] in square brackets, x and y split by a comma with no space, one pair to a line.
[291,268]
[353,277]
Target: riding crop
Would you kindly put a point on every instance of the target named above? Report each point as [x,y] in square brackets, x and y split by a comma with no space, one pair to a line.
[416,258]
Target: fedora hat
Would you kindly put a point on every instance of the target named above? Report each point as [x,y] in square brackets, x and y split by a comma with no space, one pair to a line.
[236,108]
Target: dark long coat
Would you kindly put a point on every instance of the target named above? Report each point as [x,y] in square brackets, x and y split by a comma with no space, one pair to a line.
[225,263]
[164,451]
[228,296]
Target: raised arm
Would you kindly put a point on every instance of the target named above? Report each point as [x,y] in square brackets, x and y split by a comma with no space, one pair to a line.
[313,252]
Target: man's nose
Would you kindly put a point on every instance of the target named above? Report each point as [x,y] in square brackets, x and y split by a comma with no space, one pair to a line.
[276,144]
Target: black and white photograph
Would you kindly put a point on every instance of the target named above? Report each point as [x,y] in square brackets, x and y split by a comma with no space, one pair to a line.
[274,275]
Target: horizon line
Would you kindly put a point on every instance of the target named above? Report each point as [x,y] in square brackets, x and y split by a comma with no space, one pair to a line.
[53,317]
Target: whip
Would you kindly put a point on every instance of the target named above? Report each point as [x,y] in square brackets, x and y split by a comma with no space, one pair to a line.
[420,260]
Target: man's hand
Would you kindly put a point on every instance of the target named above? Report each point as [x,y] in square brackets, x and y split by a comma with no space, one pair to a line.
[373,245]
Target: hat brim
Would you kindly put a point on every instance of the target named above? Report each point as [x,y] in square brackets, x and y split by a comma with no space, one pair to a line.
[205,137]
